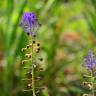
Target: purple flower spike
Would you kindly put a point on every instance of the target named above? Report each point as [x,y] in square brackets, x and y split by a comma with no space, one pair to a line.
[90,61]
[29,23]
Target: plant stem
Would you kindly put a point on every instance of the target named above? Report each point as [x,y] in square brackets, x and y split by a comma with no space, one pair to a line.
[33,83]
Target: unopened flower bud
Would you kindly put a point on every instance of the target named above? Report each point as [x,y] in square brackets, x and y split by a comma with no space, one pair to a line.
[23,61]
[29,85]
[38,44]
[90,86]
[28,55]
[41,59]
[85,95]
[28,46]
[34,42]
[23,49]
[37,50]
[34,65]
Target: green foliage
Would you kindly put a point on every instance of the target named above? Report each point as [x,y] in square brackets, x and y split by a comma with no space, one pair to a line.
[91,16]
[66,34]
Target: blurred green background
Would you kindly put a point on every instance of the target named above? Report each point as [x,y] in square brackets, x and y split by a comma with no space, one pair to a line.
[68,31]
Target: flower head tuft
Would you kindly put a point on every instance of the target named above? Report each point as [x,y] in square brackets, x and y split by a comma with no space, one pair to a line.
[29,23]
[89,61]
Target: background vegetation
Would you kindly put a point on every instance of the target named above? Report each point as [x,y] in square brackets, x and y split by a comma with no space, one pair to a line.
[68,31]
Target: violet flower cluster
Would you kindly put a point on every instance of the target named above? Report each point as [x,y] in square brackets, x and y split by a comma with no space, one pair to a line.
[29,23]
[89,61]
[89,74]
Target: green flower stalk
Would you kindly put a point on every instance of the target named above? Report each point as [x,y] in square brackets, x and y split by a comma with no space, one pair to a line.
[30,25]
[89,74]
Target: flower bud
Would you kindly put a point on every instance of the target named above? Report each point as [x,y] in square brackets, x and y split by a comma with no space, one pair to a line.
[85,94]
[28,46]
[38,44]
[37,50]
[90,86]
[41,59]
[24,61]
[29,86]
[34,42]
[23,49]
[28,55]
[34,65]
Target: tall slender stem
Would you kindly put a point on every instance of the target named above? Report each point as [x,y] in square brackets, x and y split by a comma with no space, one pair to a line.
[33,83]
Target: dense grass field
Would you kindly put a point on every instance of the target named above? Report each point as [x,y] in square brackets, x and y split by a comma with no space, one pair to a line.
[66,36]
